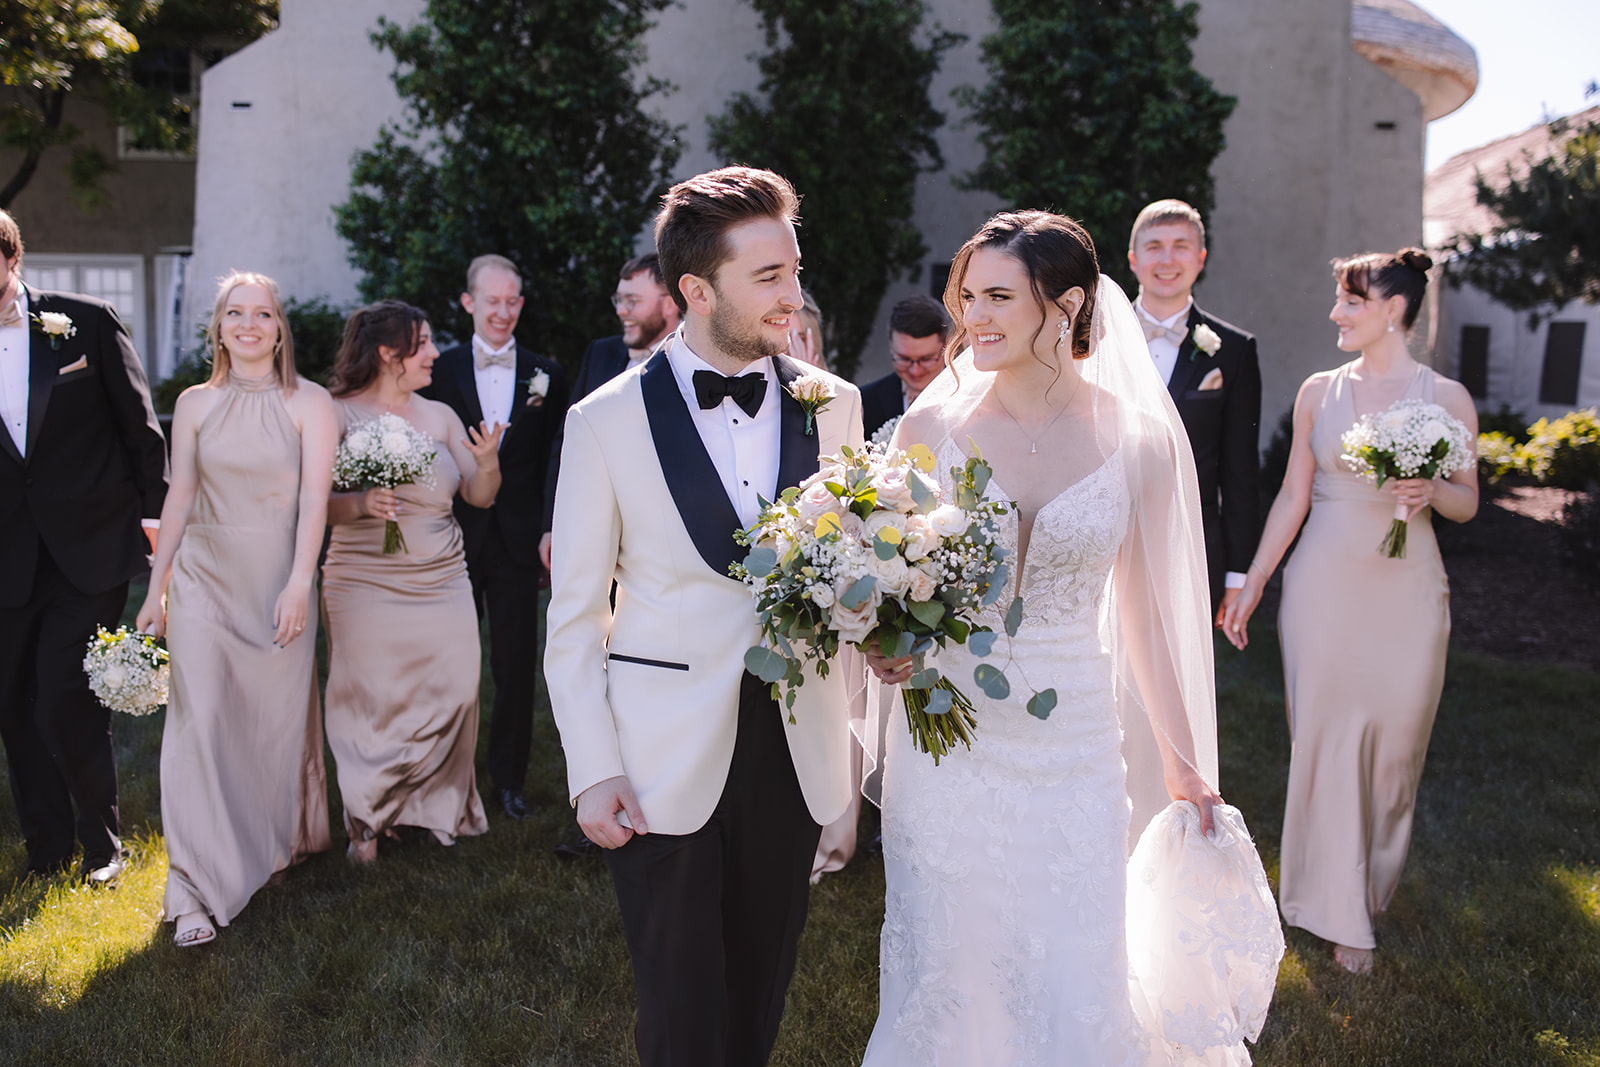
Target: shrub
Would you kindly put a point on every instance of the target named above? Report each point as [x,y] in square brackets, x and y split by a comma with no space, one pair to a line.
[1580,535]
[1498,455]
[1512,424]
[1564,453]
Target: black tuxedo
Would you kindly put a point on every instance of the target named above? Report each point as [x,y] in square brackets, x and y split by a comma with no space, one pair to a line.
[1223,425]
[603,360]
[881,401]
[502,544]
[70,539]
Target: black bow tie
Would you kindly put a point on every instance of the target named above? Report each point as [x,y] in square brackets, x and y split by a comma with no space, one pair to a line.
[747,390]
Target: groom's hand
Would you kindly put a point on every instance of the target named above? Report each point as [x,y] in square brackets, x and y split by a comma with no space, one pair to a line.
[597,812]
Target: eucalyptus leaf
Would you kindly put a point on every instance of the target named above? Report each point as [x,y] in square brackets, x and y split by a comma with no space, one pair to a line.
[997,584]
[1014,617]
[765,664]
[858,593]
[902,645]
[927,612]
[926,678]
[980,476]
[761,561]
[982,642]
[1040,705]
[884,549]
[992,680]
[939,702]
[923,493]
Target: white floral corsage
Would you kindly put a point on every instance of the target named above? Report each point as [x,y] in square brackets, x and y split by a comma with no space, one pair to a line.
[55,325]
[814,393]
[1206,340]
[538,388]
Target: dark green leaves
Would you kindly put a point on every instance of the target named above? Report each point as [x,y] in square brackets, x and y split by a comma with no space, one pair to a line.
[1040,705]
[927,612]
[992,680]
[1014,617]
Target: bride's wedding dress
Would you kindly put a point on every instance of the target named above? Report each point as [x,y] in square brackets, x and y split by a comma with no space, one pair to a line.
[1006,922]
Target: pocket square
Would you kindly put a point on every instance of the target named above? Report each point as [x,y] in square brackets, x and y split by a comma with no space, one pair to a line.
[1211,381]
[81,363]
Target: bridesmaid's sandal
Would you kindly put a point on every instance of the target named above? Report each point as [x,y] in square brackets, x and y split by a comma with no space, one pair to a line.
[363,852]
[1354,960]
[194,930]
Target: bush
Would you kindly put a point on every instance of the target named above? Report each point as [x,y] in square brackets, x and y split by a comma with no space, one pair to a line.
[1512,424]
[1580,536]
[1498,456]
[1564,453]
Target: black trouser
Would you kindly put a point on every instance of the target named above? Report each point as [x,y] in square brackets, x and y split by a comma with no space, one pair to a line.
[57,735]
[508,593]
[713,918]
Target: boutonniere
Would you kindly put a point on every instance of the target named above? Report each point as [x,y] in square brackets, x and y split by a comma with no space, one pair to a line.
[538,388]
[814,393]
[55,325]
[1206,340]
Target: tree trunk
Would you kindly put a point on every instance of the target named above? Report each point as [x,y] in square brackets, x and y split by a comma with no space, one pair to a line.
[52,104]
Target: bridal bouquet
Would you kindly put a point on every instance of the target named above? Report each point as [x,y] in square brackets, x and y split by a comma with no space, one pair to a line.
[127,671]
[1412,439]
[868,550]
[383,453]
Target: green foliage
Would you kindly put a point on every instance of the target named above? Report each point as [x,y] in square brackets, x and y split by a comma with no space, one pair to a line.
[1580,535]
[50,48]
[1497,455]
[1562,452]
[1513,424]
[316,326]
[1546,249]
[525,137]
[844,114]
[1092,109]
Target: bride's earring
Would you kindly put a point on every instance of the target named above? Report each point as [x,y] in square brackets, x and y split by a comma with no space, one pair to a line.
[1391,327]
[1061,334]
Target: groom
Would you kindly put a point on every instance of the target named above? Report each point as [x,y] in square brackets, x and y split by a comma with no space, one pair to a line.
[708,798]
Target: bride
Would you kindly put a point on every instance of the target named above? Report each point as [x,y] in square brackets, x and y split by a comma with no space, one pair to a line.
[1009,934]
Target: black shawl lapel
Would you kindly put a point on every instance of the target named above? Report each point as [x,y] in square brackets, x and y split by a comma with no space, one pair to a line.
[43,369]
[526,369]
[1183,373]
[797,455]
[708,515]
[468,384]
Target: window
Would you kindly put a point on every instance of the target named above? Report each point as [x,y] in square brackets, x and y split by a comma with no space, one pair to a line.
[168,74]
[1474,370]
[1563,362]
[119,280]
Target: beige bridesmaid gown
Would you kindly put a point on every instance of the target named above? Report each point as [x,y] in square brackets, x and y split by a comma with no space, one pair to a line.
[243,790]
[1364,640]
[403,664]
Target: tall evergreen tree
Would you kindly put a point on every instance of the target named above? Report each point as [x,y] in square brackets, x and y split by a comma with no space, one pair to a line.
[1092,109]
[843,112]
[525,136]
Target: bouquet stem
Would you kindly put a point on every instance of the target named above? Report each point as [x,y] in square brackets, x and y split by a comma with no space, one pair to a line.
[1394,542]
[393,540]
[937,734]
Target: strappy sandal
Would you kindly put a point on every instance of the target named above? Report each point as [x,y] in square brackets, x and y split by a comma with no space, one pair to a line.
[194,930]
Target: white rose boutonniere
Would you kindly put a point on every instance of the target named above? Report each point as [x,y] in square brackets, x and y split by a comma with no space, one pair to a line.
[538,388]
[55,325]
[814,394]
[1206,340]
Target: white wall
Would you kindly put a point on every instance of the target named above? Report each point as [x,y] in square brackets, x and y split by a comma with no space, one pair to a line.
[1516,353]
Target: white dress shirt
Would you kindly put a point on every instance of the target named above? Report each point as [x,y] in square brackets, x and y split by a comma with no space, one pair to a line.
[497,386]
[1164,350]
[14,360]
[744,449]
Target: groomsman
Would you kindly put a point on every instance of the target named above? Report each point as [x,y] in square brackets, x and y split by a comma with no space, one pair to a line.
[1212,373]
[495,380]
[917,333]
[84,467]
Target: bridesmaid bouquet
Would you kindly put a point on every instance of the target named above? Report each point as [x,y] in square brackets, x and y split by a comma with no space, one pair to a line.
[867,550]
[127,671]
[383,453]
[1412,439]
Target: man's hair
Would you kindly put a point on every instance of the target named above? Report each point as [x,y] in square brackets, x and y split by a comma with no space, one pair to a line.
[696,215]
[639,264]
[920,316]
[10,237]
[483,263]
[1164,213]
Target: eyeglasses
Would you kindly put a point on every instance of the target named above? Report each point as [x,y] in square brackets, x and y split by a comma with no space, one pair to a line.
[922,361]
[628,303]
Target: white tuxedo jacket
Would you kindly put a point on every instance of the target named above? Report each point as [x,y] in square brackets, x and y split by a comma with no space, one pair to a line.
[651,689]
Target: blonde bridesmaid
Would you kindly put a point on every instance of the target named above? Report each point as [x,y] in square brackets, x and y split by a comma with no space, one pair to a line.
[403,653]
[243,790]
[1364,636]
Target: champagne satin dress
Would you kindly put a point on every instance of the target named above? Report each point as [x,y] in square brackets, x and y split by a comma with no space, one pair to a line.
[243,790]
[1364,640]
[403,663]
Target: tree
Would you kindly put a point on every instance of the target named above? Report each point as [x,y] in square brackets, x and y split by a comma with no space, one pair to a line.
[1546,249]
[844,114]
[1092,109]
[525,137]
[51,48]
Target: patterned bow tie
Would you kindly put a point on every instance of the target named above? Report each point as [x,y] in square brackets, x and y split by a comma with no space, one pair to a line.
[1153,329]
[486,359]
[9,315]
[747,390]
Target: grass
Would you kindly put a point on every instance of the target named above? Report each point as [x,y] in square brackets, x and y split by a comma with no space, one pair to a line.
[494,952]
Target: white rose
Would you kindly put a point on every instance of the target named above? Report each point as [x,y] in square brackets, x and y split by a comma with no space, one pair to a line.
[893,575]
[114,675]
[816,501]
[396,443]
[894,491]
[56,324]
[855,625]
[1433,431]
[919,538]
[821,595]
[1392,420]
[922,585]
[880,520]
[947,520]
[359,441]
[539,384]
[1206,339]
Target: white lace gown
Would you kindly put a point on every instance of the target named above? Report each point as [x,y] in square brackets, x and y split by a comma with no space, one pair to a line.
[1004,937]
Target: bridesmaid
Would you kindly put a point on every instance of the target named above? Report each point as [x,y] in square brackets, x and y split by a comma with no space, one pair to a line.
[403,655]
[243,791]
[1359,714]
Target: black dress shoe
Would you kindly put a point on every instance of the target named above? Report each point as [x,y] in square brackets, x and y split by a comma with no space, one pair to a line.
[49,870]
[577,850]
[512,803]
[103,873]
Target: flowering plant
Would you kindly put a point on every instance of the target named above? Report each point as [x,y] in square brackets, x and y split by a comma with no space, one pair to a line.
[383,453]
[868,551]
[55,325]
[1206,340]
[127,671]
[538,388]
[1412,439]
[814,393]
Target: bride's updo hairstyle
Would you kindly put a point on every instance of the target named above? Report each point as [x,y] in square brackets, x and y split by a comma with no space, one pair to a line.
[1056,252]
[1405,274]
[386,324]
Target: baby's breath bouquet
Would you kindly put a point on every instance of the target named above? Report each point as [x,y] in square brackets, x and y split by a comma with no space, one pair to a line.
[383,453]
[868,551]
[127,671]
[1412,439]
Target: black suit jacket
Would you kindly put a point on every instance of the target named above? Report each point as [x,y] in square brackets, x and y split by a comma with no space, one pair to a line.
[603,360]
[524,450]
[96,460]
[1224,426]
[881,401]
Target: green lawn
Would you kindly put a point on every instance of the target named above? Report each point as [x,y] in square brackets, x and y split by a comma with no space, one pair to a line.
[494,952]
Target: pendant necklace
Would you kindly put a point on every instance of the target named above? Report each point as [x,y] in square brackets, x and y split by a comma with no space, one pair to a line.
[1033,446]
